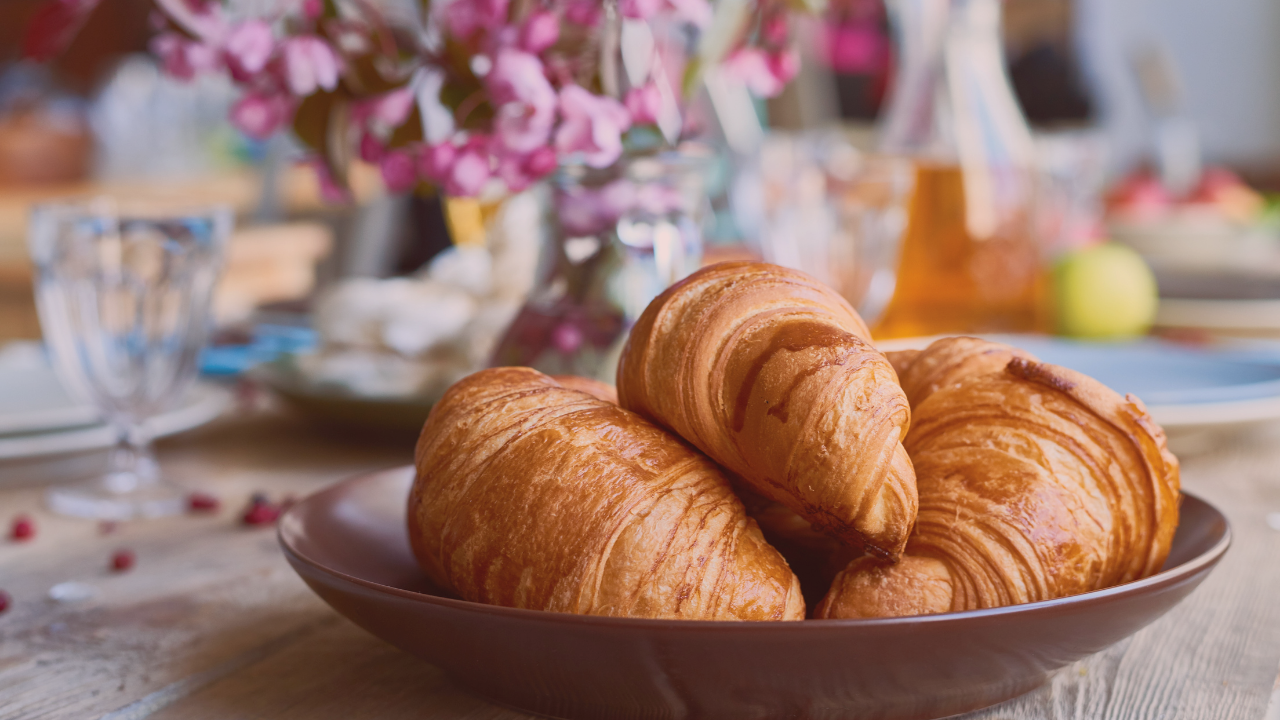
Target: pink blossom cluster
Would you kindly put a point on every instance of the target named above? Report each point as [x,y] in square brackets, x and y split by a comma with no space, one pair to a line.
[767,65]
[275,74]
[519,101]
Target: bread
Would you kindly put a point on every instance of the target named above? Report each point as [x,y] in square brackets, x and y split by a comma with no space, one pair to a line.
[770,373]
[1036,482]
[533,495]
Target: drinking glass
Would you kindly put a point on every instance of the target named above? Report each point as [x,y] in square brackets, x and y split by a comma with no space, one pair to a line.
[123,292]
[822,206]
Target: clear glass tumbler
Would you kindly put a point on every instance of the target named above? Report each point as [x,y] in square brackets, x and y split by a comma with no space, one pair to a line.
[124,296]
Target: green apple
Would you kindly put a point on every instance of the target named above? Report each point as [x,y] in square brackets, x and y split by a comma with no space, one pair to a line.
[1104,291]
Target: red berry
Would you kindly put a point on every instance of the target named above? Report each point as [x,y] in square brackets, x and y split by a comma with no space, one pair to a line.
[122,560]
[4,601]
[202,502]
[261,513]
[24,528]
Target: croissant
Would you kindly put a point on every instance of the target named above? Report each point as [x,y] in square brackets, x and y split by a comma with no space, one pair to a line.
[532,495]
[948,361]
[770,373]
[816,558]
[1036,482]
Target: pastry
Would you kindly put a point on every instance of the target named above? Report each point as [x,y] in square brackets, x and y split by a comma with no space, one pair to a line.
[770,373]
[1036,482]
[533,495]
[595,388]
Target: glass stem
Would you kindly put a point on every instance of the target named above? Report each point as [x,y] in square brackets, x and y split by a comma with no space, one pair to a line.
[132,464]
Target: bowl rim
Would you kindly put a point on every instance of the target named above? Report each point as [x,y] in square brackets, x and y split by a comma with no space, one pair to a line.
[1169,576]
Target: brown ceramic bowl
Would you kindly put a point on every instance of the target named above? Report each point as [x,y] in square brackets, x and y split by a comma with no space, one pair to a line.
[349,543]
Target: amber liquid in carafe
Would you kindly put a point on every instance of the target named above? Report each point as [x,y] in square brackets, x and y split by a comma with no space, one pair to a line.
[951,282]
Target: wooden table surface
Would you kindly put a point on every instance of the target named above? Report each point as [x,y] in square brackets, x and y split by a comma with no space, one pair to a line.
[212,623]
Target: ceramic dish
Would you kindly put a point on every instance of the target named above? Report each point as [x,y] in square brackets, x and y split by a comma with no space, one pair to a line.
[349,544]
[1183,387]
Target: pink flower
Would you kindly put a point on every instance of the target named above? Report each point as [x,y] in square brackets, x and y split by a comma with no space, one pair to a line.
[540,162]
[330,191]
[753,67]
[511,171]
[593,126]
[639,9]
[567,338]
[856,48]
[312,9]
[393,108]
[469,174]
[583,12]
[467,17]
[259,115]
[540,32]
[775,30]
[309,64]
[525,99]
[183,58]
[644,103]
[371,151]
[436,161]
[398,171]
[785,65]
[248,47]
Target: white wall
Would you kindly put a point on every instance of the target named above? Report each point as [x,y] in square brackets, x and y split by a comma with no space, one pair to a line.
[1227,53]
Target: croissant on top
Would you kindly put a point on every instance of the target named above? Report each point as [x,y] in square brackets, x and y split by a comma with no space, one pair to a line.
[770,373]
[530,494]
[1036,482]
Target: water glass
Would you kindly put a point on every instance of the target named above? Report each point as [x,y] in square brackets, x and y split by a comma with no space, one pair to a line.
[124,294]
[822,206]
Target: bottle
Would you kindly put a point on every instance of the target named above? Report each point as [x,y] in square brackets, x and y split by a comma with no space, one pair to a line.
[969,260]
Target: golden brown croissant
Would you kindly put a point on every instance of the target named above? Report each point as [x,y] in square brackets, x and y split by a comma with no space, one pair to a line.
[816,558]
[947,362]
[768,371]
[533,495]
[595,388]
[1036,482]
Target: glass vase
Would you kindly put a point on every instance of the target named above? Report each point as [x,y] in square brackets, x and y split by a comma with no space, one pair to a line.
[616,239]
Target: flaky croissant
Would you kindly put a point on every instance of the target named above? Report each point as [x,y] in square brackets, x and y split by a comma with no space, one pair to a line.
[532,495]
[768,371]
[1036,482]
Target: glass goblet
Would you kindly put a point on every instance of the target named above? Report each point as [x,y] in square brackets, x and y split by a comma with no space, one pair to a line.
[124,297]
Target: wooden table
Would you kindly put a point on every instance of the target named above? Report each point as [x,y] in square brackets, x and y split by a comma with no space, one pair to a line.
[212,623]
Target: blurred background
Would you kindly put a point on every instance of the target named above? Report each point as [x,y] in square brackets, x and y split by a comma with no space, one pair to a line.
[1128,155]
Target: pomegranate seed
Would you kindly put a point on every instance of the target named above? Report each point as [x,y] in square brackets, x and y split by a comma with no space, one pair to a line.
[122,560]
[202,502]
[4,601]
[24,528]
[260,514]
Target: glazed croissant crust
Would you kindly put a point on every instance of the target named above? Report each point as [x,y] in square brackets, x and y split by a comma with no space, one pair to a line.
[769,372]
[1036,482]
[533,495]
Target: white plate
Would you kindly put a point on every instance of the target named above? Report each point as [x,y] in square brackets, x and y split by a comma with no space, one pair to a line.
[204,403]
[1183,387]
[32,400]
[1250,315]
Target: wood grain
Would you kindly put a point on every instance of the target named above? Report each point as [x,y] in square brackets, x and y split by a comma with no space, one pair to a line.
[212,623]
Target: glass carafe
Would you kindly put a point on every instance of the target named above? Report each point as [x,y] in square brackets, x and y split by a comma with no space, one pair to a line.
[969,261]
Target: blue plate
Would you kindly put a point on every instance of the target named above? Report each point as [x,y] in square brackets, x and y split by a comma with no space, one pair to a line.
[1180,384]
